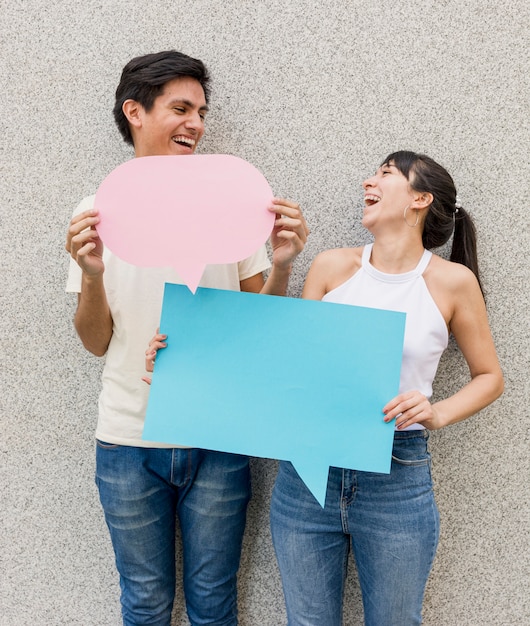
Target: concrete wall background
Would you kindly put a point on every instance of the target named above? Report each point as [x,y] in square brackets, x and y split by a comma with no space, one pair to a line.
[315,95]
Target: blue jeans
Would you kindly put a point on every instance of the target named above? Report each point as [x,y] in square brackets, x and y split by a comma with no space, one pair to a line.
[391,521]
[142,491]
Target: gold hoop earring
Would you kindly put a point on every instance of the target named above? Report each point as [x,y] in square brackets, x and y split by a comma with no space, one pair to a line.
[405,217]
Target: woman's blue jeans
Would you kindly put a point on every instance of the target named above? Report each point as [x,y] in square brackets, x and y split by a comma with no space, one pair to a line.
[142,491]
[391,521]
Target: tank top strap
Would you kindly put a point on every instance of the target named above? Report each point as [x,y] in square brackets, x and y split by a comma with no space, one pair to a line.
[367,253]
[424,261]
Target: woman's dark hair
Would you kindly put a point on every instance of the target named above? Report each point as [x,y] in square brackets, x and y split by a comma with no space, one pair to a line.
[443,216]
[143,79]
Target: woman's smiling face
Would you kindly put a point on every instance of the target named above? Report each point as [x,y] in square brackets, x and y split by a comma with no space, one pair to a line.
[386,194]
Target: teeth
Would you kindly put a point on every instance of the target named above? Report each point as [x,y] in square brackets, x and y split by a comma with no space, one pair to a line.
[186,140]
[372,198]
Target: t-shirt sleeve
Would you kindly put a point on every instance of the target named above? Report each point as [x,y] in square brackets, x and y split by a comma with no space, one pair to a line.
[255,264]
[73,282]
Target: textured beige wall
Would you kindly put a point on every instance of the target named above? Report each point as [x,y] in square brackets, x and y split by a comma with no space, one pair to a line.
[315,95]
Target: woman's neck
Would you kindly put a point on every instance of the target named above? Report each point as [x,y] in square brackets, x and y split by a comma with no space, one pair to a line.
[396,256]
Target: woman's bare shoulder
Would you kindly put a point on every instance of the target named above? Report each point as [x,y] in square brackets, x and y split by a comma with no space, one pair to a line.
[330,269]
[450,275]
[338,258]
[452,285]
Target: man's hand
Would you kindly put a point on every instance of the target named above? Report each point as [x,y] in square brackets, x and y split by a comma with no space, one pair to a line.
[289,234]
[84,245]
[157,343]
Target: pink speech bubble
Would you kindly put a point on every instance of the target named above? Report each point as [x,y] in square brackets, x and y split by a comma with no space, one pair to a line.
[184,212]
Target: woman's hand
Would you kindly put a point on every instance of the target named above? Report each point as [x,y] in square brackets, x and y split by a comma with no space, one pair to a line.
[412,407]
[157,343]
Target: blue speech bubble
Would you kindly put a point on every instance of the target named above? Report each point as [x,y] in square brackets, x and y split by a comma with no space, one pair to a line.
[279,378]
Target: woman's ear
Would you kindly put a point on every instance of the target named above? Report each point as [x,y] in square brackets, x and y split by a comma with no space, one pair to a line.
[422,200]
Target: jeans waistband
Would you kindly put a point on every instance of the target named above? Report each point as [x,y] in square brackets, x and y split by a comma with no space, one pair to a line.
[411,434]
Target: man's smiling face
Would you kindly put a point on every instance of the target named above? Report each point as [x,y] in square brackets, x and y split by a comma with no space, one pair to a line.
[175,123]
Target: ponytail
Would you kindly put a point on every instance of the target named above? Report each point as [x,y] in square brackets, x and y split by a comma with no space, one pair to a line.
[464,248]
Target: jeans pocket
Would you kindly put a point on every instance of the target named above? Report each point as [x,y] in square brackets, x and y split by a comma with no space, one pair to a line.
[104,445]
[411,452]
[411,462]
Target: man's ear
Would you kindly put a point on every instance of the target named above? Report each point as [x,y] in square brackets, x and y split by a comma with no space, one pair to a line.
[422,200]
[133,112]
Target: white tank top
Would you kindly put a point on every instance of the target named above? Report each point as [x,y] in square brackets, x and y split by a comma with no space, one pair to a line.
[426,333]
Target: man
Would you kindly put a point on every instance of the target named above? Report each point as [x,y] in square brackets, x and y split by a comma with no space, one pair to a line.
[161,103]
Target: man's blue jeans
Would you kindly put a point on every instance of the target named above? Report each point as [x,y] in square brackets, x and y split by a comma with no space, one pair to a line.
[391,521]
[142,491]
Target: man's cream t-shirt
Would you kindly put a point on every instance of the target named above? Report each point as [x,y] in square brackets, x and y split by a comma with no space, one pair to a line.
[135,296]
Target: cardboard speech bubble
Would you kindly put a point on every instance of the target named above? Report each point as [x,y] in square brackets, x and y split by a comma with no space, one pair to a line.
[280,378]
[184,212]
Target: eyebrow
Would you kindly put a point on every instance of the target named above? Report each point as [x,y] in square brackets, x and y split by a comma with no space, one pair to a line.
[188,103]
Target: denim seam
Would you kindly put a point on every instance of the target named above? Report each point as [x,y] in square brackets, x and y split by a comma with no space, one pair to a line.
[172,469]
[436,516]
[343,506]
[189,468]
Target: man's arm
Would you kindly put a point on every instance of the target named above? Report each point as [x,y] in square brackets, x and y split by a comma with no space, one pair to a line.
[277,281]
[93,319]
[288,239]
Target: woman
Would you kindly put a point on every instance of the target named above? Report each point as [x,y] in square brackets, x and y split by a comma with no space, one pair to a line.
[391,520]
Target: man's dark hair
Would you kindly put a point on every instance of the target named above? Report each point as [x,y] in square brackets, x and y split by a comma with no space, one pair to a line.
[143,79]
